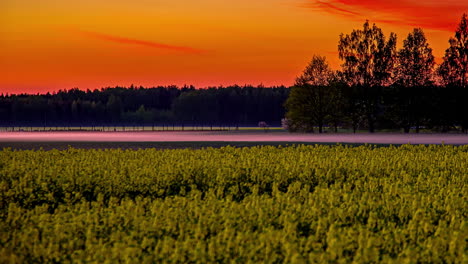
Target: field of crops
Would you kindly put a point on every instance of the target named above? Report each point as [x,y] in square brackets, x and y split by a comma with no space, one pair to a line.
[297,204]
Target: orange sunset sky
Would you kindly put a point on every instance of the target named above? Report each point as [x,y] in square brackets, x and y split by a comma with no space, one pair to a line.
[49,45]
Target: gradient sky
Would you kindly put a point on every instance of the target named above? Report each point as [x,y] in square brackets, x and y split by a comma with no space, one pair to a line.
[49,45]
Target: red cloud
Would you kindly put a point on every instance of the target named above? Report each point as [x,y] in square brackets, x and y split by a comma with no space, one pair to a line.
[124,40]
[430,14]
[329,7]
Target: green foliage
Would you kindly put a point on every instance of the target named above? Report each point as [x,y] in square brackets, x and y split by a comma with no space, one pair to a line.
[300,204]
[316,99]
[300,107]
[195,106]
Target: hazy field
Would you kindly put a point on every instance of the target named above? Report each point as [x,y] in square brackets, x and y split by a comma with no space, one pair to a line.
[232,136]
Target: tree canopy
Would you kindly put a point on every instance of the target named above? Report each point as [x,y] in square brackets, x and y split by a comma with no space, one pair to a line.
[415,61]
[369,59]
[313,98]
[317,73]
[454,69]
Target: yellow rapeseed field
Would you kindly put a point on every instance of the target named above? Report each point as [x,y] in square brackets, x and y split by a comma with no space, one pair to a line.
[296,204]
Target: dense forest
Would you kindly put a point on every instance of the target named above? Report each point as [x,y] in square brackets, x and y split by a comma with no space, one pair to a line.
[235,105]
[378,87]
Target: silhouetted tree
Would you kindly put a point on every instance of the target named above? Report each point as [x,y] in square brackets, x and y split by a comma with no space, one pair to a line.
[454,69]
[299,107]
[353,107]
[369,59]
[405,106]
[369,62]
[336,114]
[316,73]
[311,99]
[415,61]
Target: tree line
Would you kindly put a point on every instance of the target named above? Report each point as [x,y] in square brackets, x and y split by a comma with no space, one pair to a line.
[233,105]
[380,87]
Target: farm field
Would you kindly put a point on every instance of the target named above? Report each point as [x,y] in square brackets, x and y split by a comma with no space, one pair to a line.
[266,204]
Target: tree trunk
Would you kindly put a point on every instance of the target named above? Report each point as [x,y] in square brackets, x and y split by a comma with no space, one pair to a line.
[371,124]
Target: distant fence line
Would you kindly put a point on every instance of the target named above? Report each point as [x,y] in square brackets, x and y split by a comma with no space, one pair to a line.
[119,128]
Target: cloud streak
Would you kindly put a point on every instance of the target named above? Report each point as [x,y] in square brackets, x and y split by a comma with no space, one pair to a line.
[430,14]
[137,42]
[329,8]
